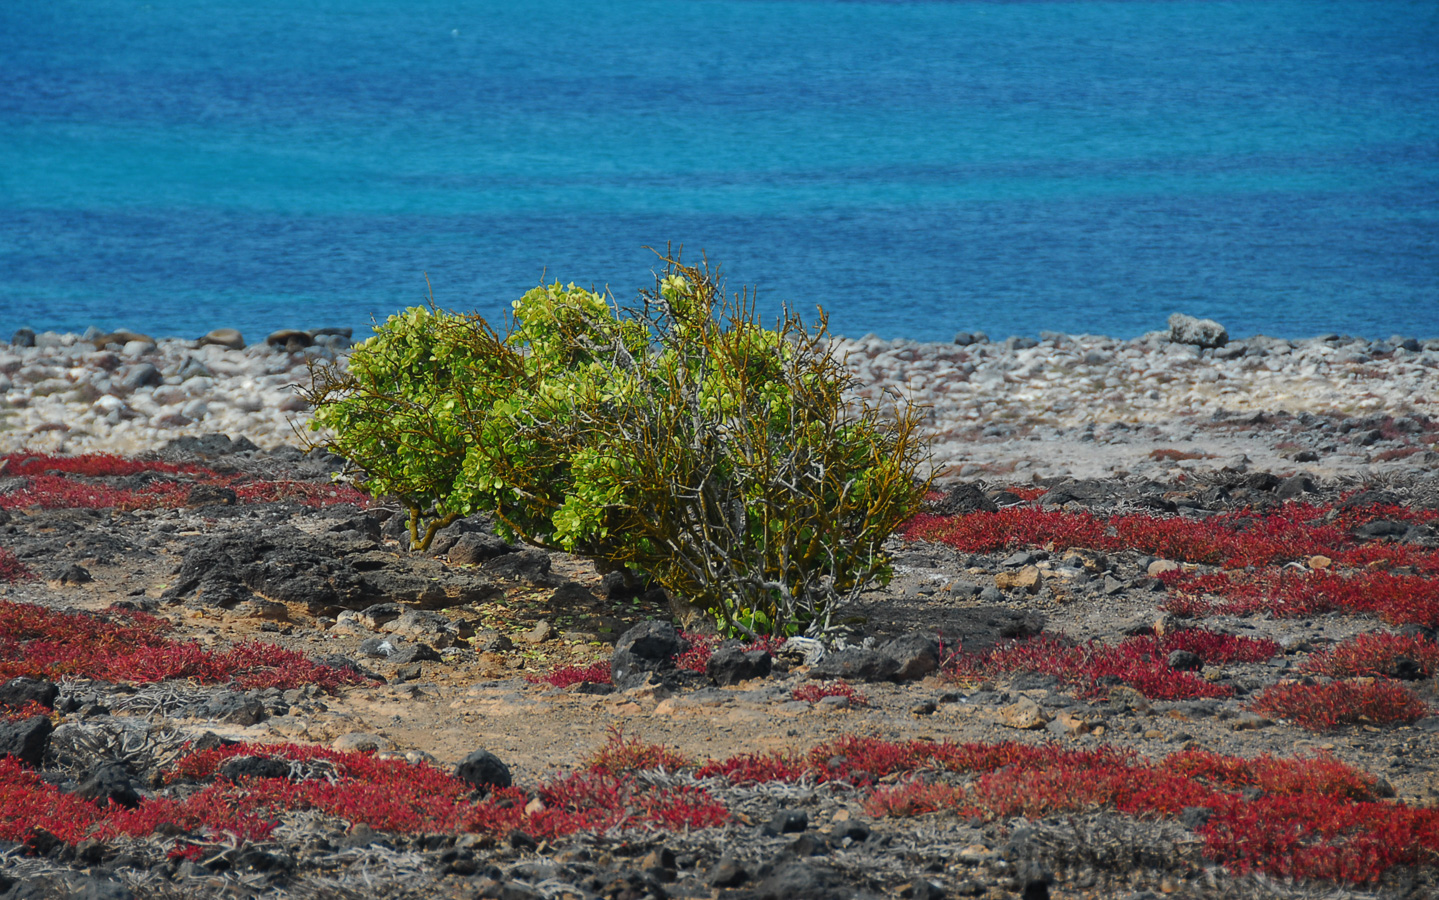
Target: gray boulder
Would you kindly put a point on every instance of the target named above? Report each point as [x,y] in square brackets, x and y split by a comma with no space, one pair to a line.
[916,653]
[26,739]
[857,664]
[647,647]
[731,664]
[484,771]
[1200,332]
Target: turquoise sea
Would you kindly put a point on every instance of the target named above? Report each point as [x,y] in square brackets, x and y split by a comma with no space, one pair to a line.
[917,168]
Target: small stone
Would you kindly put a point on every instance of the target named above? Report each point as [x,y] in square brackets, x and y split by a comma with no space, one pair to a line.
[543,631]
[1023,714]
[229,338]
[1027,579]
[788,821]
[1160,566]
[143,375]
[73,575]
[289,339]
[728,872]
[361,742]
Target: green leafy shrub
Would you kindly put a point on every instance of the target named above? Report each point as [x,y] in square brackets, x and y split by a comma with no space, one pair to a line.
[680,440]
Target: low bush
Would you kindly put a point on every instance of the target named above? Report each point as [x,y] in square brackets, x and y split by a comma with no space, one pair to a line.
[680,440]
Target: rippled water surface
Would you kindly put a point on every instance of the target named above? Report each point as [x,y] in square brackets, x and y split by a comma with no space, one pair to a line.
[916,168]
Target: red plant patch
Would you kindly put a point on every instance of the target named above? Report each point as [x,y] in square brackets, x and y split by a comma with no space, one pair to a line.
[395,795]
[1233,540]
[92,465]
[1169,454]
[28,803]
[1395,599]
[566,676]
[620,755]
[1140,662]
[1027,493]
[1329,706]
[813,693]
[78,482]
[703,646]
[12,569]
[27,710]
[1318,819]
[130,647]
[1378,655]
[1322,774]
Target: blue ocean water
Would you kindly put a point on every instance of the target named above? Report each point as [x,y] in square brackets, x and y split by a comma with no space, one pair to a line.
[918,168]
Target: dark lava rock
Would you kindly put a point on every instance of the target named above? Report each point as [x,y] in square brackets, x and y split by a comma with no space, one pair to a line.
[484,771]
[963,499]
[232,708]
[572,593]
[75,574]
[19,691]
[788,821]
[477,547]
[26,739]
[413,653]
[1185,661]
[239,767]
[525,565]
[1085,493]
[731,664]
[857,664]
[108,783]
[917,654]
[728,872]
[1261,481]
[211,495]
[805,881]
[207,446]
[318,571]
[1294,486]
[647,647]
[1380,528]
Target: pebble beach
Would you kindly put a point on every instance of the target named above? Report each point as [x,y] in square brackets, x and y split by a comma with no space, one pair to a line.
[1078,405]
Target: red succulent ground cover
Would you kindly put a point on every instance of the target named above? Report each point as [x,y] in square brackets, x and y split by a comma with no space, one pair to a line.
[1287,594]
[1316,817]
[1331,705]
[386,794]
[813,693]
[1378,654]
[1233,540]
[72,482]
[126,646]
[27,710]
[1312,817]
[703,646]
[567,676]
[11,569]
[1140,662]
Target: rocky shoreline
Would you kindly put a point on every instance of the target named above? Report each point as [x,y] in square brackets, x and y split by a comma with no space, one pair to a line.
[1079,405]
